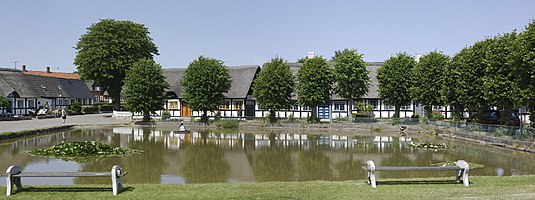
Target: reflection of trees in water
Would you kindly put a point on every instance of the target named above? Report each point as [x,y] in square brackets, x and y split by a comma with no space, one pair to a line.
[314,165]
[144,168]
[273,164]
[349,169]
[205,164]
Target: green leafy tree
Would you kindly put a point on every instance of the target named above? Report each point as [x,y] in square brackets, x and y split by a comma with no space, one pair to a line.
[394,79]
[205,81]
[427,78]
[315,80]
[109,49]
[456,83]
[4,102]
[274,87]
[499,87]
[352,80]
[144,88]
[523,62]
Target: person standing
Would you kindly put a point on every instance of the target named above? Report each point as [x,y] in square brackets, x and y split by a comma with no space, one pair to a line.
[63,115]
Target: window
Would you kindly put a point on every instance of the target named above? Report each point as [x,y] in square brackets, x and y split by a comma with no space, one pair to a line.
[339,106]
[225,106]
[306,108]
[408,107]
[60,101]
[31,103]
[373,103]
[20,103]
[437,107]
[295,107]
[173,105]
[238,105]
[388,107]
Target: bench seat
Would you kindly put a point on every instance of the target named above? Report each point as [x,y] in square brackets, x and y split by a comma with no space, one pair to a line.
[14,175]
[461,170]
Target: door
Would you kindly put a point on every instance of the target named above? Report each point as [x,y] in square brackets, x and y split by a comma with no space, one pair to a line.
[249,109]
[323,112]
[185,110]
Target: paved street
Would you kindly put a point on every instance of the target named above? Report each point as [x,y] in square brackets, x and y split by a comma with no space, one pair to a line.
[13,126]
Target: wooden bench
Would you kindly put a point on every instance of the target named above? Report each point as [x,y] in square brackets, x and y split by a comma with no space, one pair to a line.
[461,170]
[14,175]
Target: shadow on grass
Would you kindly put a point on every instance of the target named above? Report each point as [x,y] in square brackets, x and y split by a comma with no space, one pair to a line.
[71,189]
[418,182]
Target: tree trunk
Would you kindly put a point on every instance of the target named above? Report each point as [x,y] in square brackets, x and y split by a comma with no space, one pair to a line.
[116,102]
[428,111]
[272,117]
[204,118]
[457,112]
[314,116]
[146,116]
[397,109]
[350,110]
[505,115]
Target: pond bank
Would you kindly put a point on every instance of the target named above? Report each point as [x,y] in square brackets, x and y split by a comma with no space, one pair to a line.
[484,187]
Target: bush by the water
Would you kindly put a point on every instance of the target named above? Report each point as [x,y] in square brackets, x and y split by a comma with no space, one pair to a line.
[229,124]
[72,150]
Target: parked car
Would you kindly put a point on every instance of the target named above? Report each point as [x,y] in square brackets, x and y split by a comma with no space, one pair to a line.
[493,117]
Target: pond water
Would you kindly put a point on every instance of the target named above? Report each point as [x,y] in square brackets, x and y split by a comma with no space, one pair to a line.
[208,157]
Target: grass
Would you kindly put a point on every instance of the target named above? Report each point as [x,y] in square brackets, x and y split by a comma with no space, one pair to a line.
[518,187]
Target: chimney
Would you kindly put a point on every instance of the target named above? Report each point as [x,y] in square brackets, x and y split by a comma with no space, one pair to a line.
[23,68]
[47,69]
[311,55]
[418,56]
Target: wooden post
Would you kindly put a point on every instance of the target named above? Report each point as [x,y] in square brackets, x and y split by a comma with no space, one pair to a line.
[370,168]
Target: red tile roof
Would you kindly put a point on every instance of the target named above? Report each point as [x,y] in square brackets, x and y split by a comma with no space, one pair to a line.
[54,74]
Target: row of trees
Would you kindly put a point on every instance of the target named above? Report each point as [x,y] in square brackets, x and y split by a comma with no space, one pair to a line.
[496,72]
[316,81]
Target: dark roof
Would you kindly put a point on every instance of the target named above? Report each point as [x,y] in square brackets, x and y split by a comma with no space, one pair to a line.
[76,88]
[12,80]
[46,86]
[242,79]
[373,90]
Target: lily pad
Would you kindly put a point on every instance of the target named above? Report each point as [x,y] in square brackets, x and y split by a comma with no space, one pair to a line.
[86,149]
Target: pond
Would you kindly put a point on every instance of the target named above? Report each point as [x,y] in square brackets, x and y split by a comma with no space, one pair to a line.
[206,157]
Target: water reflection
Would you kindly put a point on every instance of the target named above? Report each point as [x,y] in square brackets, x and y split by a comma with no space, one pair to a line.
[208,156]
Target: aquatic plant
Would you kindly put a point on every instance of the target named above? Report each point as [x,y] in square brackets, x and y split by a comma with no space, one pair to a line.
[86,149]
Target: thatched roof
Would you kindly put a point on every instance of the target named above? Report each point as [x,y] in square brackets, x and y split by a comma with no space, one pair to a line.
[76,88]
[47,87]
[12,80]
[242,80]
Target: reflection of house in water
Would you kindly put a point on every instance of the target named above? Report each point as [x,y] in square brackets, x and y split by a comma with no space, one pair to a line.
[384,141]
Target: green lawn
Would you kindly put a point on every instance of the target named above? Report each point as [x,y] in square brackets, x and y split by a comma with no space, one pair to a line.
[520,187]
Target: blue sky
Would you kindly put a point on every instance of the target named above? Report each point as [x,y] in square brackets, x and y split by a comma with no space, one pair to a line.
[249,32]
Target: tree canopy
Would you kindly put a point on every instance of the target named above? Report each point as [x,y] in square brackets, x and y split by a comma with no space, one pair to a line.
[274,86]
[109,49]
[352,79]
[144,88]
[204,83]
[428,75]
[315,82]
[4,102]
[394,79]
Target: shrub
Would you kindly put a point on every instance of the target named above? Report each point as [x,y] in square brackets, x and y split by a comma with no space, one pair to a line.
[340,119]
[166,115]
[363,109]
[228,124]
[75,107]
[106,108]
[415,116]
[90,109]
[437,115]
[291,118]
[313,120]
